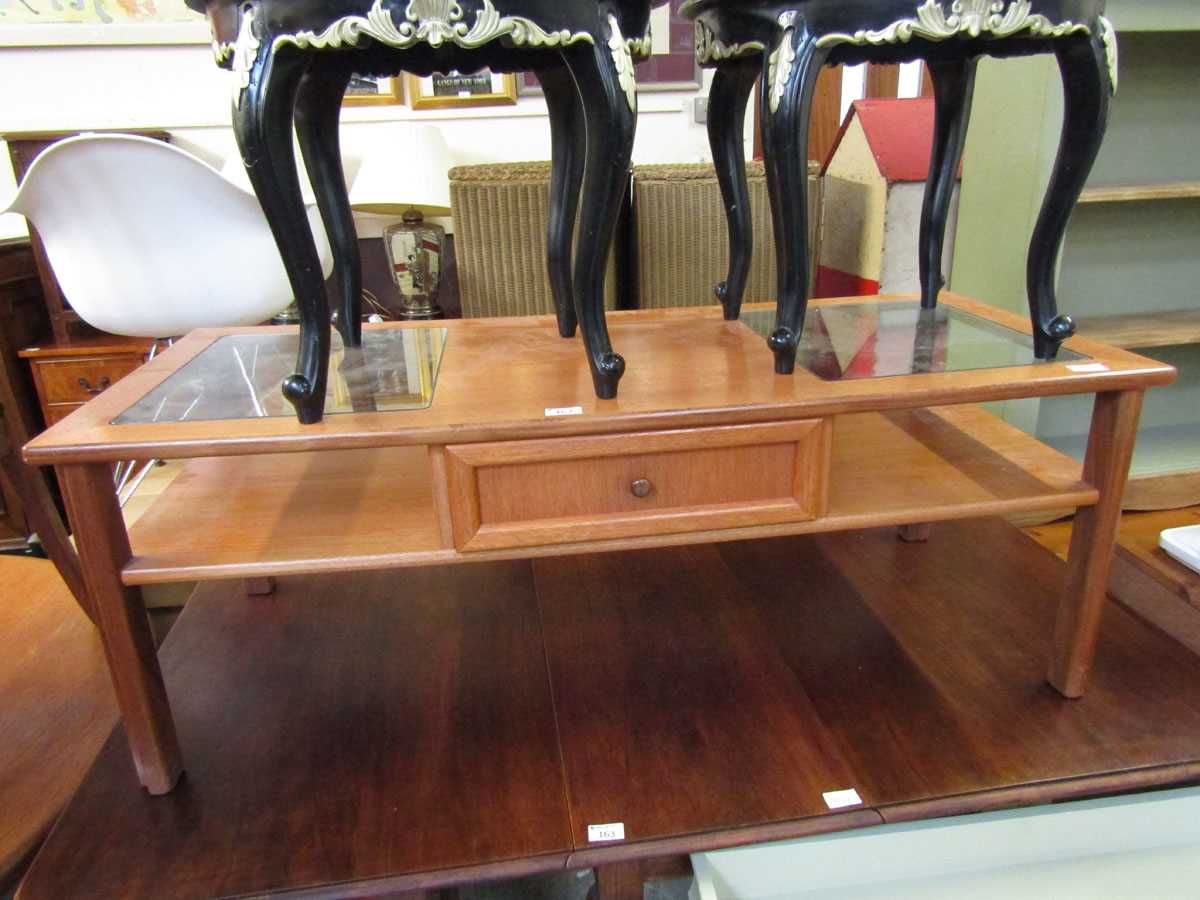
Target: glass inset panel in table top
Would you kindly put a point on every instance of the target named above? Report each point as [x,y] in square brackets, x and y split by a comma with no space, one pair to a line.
[239,377]
[874,339]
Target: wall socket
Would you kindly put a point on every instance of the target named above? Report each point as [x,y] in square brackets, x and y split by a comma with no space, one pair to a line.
[700,110]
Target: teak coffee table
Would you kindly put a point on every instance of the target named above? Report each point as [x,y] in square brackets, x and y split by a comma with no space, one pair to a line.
[522,461]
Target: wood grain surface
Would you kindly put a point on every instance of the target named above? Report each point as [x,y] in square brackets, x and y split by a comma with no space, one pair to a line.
[1138,544]
[121,614]
[355,735]
[703,688]
[1169,490]
[335,511]
[56,703]
[78,380]
[687,367]
[1143,578]
[1106,465]
[350,728]
[569,490]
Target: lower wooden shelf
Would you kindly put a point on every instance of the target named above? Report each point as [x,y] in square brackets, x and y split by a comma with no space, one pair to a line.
[361,733]
[354,509]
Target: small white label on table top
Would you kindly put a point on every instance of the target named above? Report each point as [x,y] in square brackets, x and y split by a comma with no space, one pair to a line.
[554,411]
[1088,367]
[613,832]
[842,799]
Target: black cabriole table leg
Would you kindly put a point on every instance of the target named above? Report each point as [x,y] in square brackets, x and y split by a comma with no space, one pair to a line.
[262,122]
[794,38]
[953,86]
[318,112]
[568,152]
[609,107]
[1087,89]
[293,59]
[789,79]
[727,100]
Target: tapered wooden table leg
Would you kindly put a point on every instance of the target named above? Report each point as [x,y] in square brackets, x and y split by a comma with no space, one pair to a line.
[1106,466]
[128,642]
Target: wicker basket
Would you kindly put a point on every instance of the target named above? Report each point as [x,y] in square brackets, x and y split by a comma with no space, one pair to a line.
[682,238]
[501,213]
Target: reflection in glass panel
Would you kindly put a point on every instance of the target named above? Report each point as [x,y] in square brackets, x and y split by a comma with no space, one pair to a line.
[239,377]
[879,340]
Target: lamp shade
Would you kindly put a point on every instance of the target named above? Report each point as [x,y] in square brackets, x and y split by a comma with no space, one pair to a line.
[405,169]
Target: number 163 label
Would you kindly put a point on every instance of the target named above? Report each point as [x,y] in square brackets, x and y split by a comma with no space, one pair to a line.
[613,832]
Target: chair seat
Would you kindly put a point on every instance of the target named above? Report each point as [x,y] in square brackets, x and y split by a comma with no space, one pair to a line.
[56,703]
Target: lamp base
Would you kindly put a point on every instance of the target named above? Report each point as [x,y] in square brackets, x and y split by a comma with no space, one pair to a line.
[416,313]
[414,252]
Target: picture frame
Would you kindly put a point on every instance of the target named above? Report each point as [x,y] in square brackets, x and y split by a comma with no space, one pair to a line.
[374,90]
[457,91]
[672,64]
[43,23]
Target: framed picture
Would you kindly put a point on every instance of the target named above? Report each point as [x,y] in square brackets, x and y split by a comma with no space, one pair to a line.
[672,64]
[373,90]
[49,23]
[441,91]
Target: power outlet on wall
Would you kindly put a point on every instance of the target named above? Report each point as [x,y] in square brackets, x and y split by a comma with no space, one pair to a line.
[700,110]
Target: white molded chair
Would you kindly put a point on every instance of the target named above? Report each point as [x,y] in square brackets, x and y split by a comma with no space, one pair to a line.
[149,241]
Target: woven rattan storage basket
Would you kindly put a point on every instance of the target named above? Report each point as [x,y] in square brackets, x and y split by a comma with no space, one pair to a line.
[500,218]
[682,239]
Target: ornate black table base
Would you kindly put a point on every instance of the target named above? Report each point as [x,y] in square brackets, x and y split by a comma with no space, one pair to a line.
[293,60]
[788,43]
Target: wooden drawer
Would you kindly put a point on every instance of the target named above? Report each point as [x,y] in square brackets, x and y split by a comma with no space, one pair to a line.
[78,379]
[56,412]
[565,490]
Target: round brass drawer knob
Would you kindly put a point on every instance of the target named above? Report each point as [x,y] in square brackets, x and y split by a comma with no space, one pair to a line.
[641,487]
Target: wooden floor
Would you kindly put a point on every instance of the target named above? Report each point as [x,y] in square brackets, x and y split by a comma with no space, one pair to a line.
[428,726]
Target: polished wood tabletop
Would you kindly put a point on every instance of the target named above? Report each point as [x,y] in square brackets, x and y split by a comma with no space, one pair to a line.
[688,368]
[363,733]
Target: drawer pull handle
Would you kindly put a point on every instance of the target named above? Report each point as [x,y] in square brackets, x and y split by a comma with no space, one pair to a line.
[641,487]
[99,388]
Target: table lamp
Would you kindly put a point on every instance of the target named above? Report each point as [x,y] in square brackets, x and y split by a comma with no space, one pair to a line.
[405,175]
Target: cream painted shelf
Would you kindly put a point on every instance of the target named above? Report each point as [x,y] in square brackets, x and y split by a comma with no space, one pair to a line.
[1135,193]
[1144,330]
